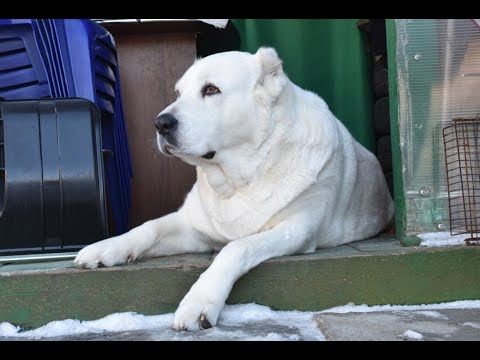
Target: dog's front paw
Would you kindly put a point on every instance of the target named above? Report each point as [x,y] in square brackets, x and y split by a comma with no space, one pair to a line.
[104,253]
[197,311]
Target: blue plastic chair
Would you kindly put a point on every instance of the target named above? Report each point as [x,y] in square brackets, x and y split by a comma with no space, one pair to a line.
[61,58]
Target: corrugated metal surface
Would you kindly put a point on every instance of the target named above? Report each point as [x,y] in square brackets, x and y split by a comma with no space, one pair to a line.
[326,56]
[438,65]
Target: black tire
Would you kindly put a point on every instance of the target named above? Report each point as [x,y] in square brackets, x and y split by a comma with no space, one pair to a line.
[384,153]
[380,78]
[382,117]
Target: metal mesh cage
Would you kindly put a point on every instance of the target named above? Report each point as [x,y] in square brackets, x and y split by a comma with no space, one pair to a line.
[462,162]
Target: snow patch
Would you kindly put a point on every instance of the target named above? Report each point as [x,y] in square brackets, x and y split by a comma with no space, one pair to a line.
[410,334]
[442,238]
[127,321]
[218,23]
[7,329]
[248,313]
[236,322]
[472,325]
[433,314]
[352,308]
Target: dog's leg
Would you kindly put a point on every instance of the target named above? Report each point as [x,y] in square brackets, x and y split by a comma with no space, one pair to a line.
[168,235]
[201,306]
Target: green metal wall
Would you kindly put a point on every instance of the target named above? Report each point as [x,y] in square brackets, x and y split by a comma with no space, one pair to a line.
[326,56]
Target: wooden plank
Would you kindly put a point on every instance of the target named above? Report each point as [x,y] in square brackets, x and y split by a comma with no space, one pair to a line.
[314,282]
[409,278]
[150,65]
[156,27]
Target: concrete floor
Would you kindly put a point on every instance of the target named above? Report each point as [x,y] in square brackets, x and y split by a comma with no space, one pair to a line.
[452,325]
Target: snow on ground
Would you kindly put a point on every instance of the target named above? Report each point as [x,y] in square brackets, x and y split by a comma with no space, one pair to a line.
[472,325]
[236,322]
[352,308]
[442,238]
[433,314]
[410,334]
[127,321]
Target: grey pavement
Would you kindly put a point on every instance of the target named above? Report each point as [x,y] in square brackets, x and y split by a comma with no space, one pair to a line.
[450,325]
[433,325]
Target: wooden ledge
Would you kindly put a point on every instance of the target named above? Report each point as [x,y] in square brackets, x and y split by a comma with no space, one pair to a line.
[377,271]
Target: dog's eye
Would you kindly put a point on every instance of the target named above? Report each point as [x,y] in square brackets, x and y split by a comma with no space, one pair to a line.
[210,89]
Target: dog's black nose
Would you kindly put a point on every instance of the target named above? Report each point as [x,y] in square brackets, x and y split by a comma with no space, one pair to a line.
[165,123]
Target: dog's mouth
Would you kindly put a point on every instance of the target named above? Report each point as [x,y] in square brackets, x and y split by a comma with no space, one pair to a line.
[170,150]
[167,149]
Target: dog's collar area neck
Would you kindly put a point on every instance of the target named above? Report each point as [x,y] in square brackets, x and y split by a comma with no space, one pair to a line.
[209,155]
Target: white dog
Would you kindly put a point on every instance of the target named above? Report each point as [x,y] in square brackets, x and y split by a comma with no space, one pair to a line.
[277,174]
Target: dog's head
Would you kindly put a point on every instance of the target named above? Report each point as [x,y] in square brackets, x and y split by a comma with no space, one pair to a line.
[223,102]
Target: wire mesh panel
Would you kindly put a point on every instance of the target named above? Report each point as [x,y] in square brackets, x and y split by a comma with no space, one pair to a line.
[462,163]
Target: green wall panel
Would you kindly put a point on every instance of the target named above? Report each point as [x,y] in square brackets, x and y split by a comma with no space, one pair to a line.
[326,56]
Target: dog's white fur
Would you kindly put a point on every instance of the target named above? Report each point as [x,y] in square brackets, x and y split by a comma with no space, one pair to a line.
[287,178]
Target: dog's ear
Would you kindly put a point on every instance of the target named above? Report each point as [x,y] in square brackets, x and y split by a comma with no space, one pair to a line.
[272,79]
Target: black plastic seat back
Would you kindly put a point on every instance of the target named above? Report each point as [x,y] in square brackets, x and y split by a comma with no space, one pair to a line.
[52,195]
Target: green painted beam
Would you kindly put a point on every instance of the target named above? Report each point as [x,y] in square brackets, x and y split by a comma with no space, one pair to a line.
[371,272]
[399,198]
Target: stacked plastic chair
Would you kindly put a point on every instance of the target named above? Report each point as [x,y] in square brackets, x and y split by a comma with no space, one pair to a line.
[63,58]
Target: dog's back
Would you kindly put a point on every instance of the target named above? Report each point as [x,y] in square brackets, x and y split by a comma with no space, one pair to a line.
[350,199]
